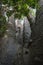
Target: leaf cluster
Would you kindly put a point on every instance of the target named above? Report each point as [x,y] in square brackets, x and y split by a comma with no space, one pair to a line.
[20,7]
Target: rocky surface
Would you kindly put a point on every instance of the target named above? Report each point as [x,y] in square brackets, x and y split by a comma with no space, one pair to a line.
[36,48]
[10,49]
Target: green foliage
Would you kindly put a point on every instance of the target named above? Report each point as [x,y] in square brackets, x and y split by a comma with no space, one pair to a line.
[32,3]
[4,1]
[9,13]
[21,6]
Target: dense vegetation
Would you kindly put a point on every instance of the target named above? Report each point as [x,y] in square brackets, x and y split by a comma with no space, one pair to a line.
[20,9]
